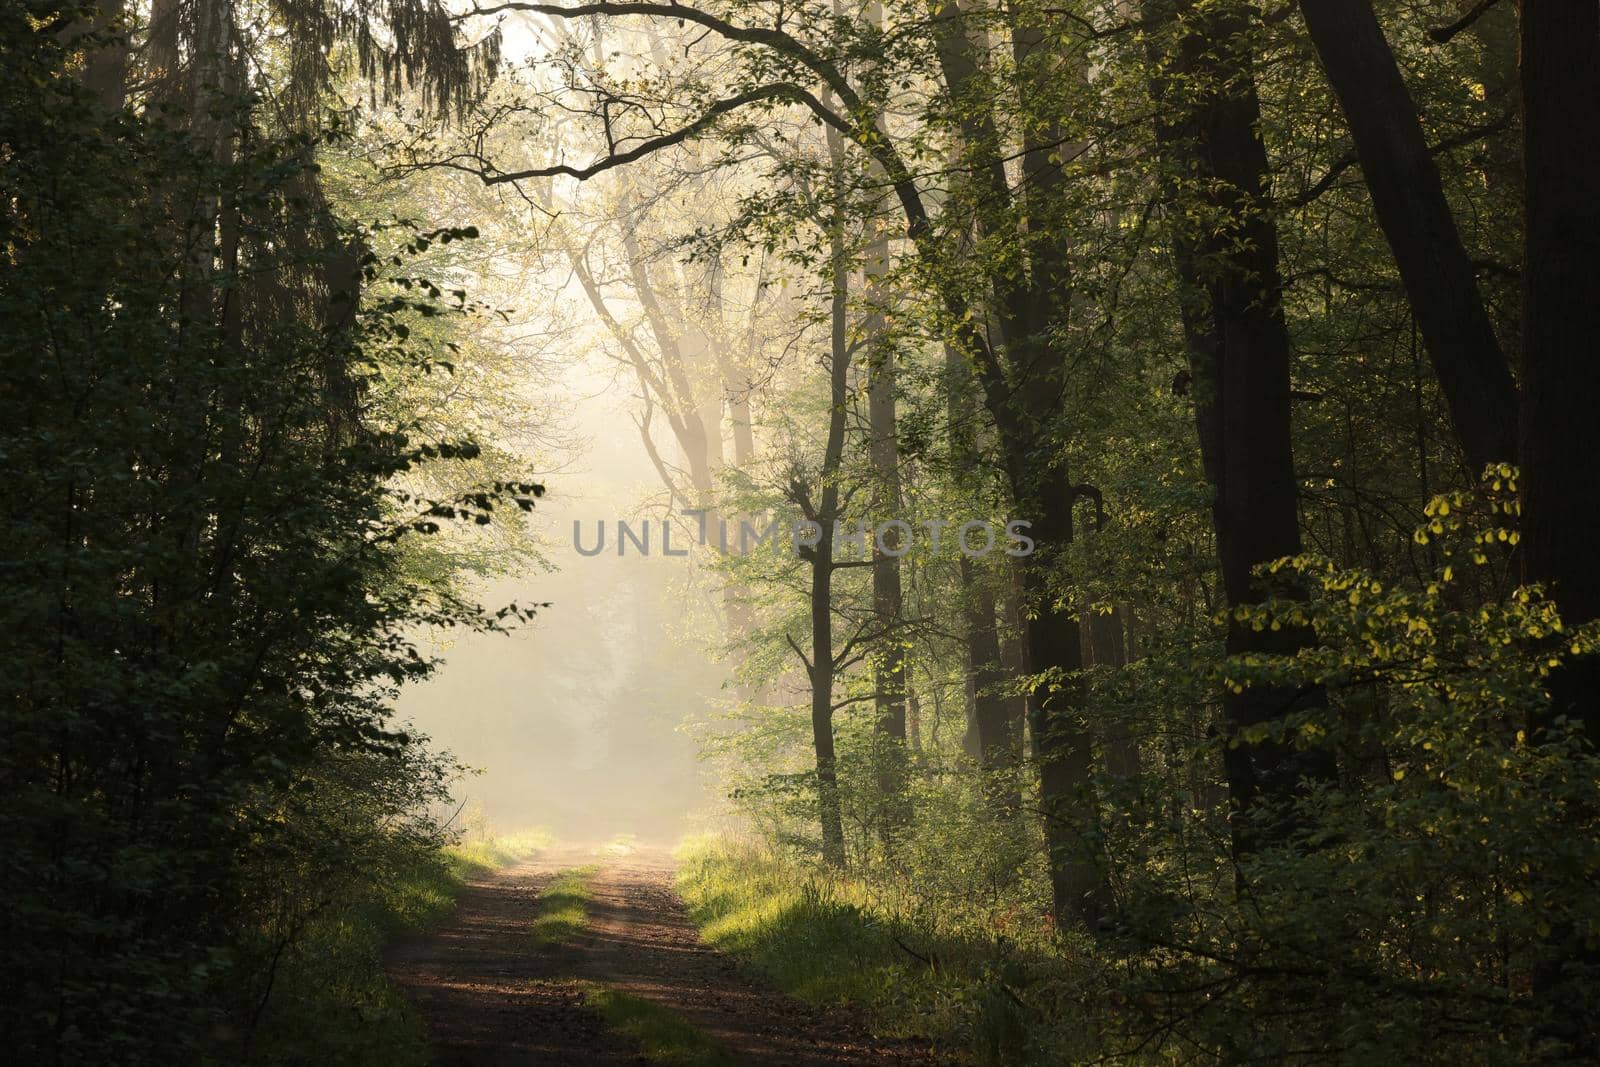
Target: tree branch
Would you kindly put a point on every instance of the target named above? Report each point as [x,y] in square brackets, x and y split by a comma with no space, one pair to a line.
[490,175]
[1441,34]
[797,652]
[861,128]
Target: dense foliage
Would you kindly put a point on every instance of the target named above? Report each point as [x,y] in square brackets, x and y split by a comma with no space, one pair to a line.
[206,589]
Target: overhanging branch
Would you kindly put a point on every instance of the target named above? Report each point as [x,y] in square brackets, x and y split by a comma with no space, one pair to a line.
[857,123]
[491,175]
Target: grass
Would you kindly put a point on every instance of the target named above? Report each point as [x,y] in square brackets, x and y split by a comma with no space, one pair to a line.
[807,935]
[829,940]
[481,854]
[563,907]
[661,1033]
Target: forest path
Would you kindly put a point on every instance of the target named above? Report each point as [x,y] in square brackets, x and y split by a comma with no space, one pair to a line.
[492,996]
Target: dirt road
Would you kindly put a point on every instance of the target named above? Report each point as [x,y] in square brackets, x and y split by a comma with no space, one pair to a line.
[492,997]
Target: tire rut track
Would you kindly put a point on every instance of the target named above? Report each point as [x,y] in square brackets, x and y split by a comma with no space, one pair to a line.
[490,996]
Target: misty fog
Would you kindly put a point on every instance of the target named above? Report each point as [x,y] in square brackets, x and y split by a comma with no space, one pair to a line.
[577,723]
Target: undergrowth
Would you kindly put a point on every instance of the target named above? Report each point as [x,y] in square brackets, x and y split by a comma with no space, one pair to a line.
[989,995]
[330,996]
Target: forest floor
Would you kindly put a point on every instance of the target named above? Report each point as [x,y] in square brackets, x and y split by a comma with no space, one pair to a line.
[492,994]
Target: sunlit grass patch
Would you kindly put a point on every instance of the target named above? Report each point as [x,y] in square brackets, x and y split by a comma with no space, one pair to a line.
[563,907]
[661,1033]
[809,936]
[479,855]
[828,939]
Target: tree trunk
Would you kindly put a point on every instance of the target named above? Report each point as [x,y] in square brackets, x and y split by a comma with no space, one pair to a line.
[1105,645]
[1561,373]
[883,451]
[738,384]
[990,736]
[823,513]
[1027,413]
[994,739]
[1239,354]
[1013,632]
[829,811]
[105,66]
[1408,199]
[1062,741]
[1561,324]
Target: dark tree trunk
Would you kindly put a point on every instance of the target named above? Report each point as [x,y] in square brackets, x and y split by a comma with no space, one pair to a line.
[829,811]
[823,511]
[1240,359]
[826,510]
[993,739]
[1014,654]
[105,67]
[1561,323]
[1035,316]
[1105,645]
[1027,409]
[1561,374]
[1408,199]
[1062,741]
